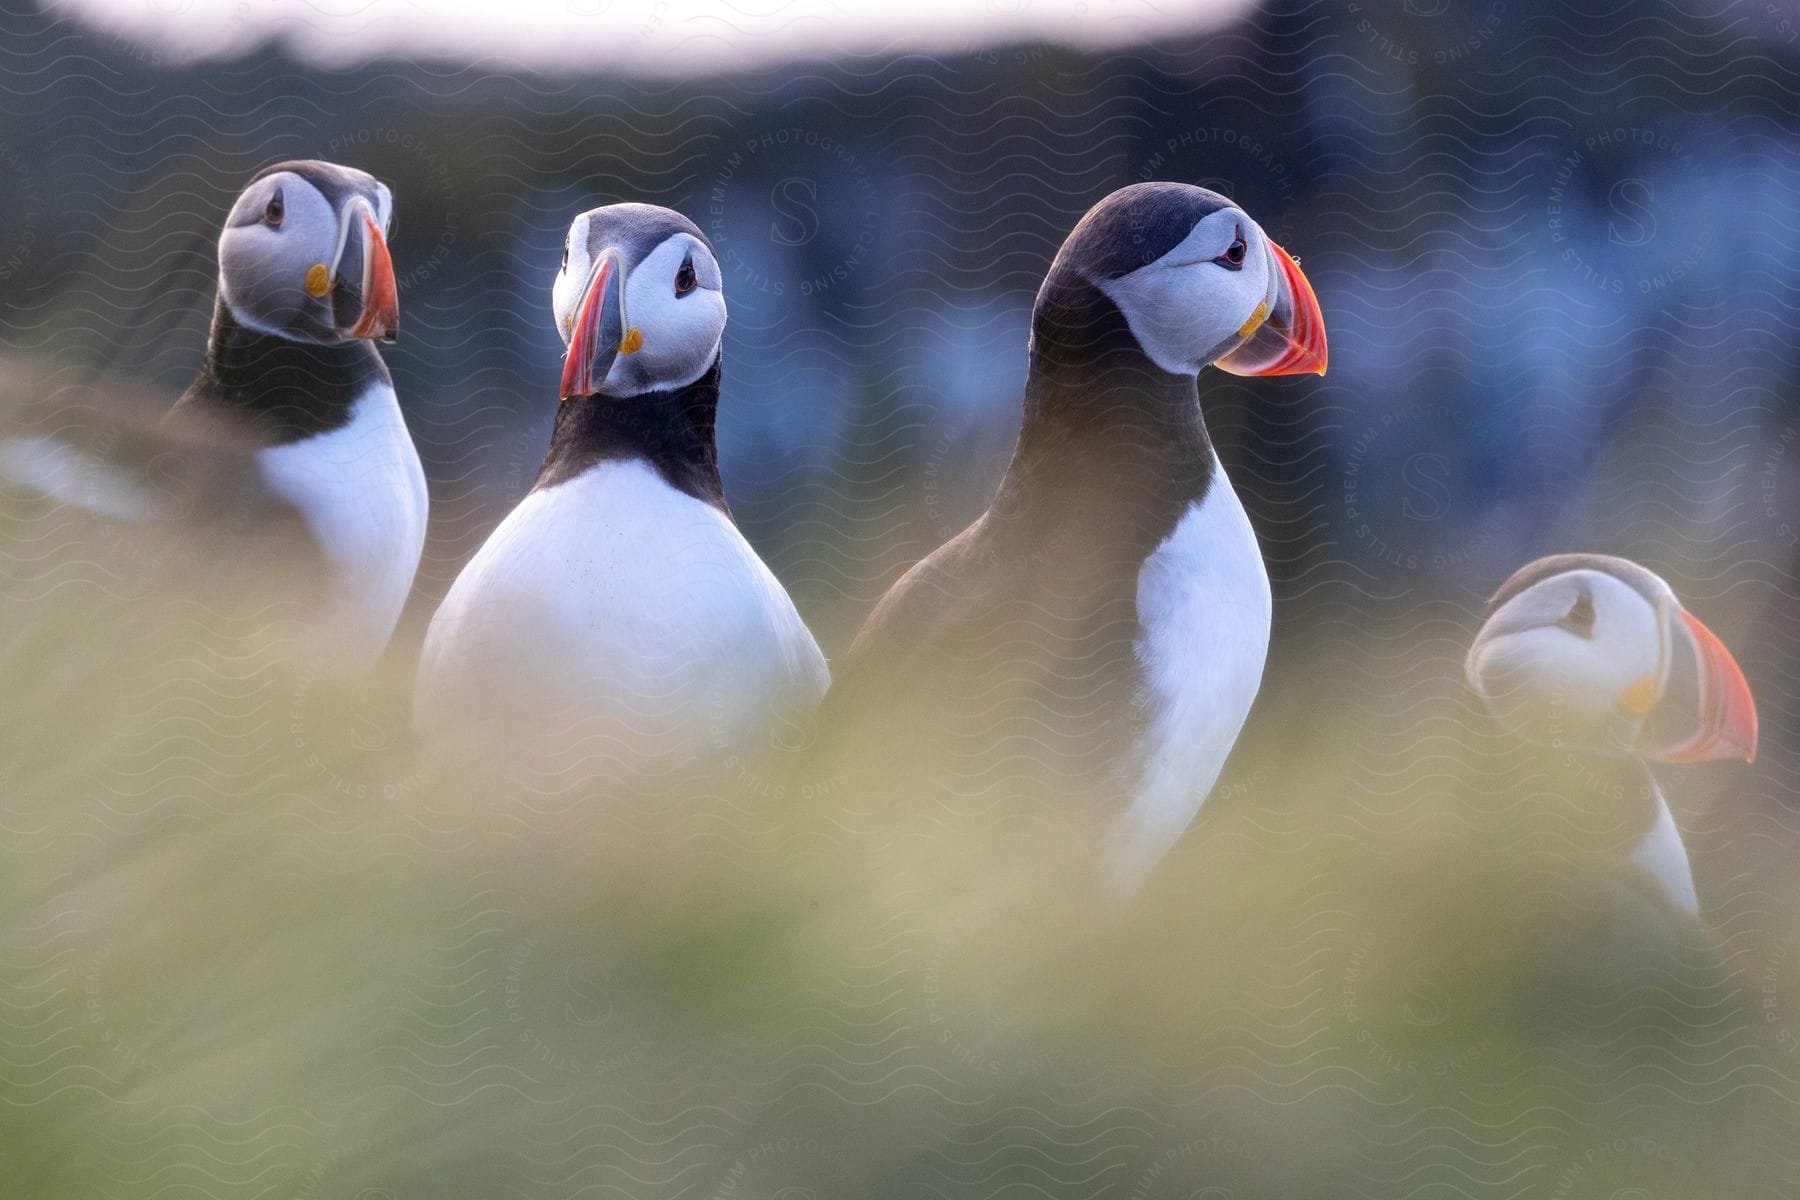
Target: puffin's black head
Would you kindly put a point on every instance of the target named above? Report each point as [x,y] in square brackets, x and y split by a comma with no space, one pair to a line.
[639,300]
[1589,652]
[1197,281]
[304,254]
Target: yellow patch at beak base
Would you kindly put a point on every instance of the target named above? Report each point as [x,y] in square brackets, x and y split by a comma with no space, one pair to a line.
[318,281]
[1256,319]
[632,342]
[1639,696]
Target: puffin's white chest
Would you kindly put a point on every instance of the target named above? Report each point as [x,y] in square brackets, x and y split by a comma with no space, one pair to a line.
[1203,618]
[361,491]
[615,596]
[1652,909]
[1664,858]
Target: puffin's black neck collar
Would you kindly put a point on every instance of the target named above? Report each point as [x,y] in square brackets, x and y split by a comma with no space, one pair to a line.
[1107,436]
[282,390]
[672,430]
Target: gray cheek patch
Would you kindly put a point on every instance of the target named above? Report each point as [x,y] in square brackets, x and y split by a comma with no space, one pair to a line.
[262,288]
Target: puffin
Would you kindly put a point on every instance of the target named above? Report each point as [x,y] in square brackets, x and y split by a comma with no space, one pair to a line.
[1090,646]
[1593,665]
[289,445]
[619,596]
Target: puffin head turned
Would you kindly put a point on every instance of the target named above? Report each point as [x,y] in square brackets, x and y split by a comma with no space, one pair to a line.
[1196,280]
[639,301]
[1592,653]
[304,255]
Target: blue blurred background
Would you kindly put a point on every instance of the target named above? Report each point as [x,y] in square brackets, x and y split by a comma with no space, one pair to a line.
[1557,249]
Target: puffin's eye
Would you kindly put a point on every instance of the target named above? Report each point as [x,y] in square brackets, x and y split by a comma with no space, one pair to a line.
[1234,253]
[274,210]
[684,278]
[1579,620]
[565,265]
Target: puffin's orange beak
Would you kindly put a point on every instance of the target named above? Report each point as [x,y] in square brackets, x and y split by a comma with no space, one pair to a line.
[380,317]
[1286,334]
[594,341]
[1726,726]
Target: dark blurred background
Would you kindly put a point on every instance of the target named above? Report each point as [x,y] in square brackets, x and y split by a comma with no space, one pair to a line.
[1557,247]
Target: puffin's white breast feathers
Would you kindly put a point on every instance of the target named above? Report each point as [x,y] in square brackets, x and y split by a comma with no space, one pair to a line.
[361,491]
[1664,858]
[1203,615]
[615,596]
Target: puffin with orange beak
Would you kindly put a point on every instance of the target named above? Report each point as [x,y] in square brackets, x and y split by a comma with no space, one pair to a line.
[1594,658]
[292,414]
[304,256]
[619,597]
[306,286]
[1091,645]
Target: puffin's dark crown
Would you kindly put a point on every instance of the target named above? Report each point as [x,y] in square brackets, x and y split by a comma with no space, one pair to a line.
[1642,580]
[1134,227]
[637,229]
[336,183]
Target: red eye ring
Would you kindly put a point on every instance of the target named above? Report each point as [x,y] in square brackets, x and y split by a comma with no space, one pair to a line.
[1233,258]
[684,278]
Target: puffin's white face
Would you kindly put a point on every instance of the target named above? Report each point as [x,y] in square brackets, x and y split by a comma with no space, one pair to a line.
[1584,661]
[1211,298]
[662,316]
[293,264]
[1187,306]
[1574,661]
